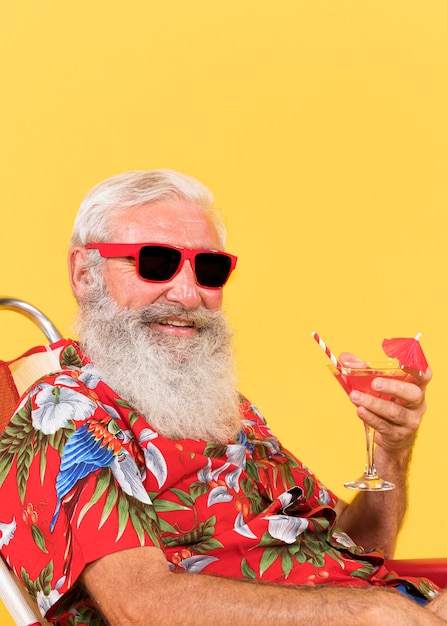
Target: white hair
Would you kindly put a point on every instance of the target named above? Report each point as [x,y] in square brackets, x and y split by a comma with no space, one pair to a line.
[118,193]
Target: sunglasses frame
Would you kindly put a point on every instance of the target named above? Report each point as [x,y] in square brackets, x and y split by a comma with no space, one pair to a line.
[117,250]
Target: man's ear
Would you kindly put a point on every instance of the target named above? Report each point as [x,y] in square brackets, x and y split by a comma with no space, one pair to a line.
[77,272]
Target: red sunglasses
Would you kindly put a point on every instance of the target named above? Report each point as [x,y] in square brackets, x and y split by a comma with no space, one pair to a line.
[159,262]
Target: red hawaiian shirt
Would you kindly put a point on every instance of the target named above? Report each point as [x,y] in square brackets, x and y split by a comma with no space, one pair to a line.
[82,475]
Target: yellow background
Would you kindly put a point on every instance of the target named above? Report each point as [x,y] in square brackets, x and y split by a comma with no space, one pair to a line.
[321,128]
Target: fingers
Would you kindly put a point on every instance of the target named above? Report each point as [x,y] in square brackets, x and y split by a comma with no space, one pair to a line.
[347,357]
[395,431]
[397,414]
[421,379]
[408,392]
[382,414]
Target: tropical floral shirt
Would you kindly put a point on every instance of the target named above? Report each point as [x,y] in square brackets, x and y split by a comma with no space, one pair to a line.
[82,475]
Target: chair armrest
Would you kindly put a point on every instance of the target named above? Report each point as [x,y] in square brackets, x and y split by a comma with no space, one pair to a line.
[434,569]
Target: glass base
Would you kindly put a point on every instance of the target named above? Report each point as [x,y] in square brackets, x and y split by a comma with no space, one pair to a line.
[370,483]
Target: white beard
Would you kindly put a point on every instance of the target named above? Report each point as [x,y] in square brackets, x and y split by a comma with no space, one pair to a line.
[184,387]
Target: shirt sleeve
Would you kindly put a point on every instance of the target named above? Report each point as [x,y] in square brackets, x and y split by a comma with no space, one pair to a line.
[294,472]
[71,490]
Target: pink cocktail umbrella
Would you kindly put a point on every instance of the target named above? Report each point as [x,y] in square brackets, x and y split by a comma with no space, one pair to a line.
[408,351]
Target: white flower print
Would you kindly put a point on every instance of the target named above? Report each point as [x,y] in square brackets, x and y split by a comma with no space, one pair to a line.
[65,379]
[232,479]
[128,476]
[45,602]
[323,495]
[286,528]
[110,410]
[343,539]
[242,528]
[89,376]
[285,498]
[219,494]
[195,564]
[59,405]
[155,463]
[7,532]
[236,454]
[147,434]
[204,474]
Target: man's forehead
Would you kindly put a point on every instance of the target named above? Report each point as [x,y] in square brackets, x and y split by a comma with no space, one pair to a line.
[167,222]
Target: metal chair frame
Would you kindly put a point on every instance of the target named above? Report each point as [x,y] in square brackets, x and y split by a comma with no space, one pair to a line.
[20,606]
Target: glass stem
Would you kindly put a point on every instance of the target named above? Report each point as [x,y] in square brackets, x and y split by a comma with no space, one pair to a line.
[370,470]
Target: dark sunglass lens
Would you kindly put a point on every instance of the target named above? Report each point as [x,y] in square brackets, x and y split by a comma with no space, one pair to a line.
[212,269]
[158,263]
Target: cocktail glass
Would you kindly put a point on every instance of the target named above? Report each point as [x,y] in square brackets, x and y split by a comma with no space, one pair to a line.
[360,376]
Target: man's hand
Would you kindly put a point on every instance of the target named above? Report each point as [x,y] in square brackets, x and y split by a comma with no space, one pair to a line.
[396,420]
[374,519]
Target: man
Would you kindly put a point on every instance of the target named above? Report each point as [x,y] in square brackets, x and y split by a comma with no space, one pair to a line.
[140,488]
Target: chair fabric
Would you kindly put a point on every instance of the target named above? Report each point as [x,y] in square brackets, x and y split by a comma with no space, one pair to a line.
[435,569]
[9,396]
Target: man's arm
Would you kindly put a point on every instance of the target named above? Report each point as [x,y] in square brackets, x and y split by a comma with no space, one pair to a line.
[135,587]
[374,519]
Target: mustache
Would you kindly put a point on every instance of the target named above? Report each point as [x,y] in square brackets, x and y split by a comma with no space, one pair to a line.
[200,317]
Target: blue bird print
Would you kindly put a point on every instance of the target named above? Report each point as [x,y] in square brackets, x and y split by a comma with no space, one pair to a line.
[92,447]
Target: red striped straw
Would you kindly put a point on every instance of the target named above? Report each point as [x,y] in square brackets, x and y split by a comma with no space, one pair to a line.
[330,354]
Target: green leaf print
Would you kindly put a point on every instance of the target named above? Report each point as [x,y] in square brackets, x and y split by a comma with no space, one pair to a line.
[201,537]
[24,460]
[5,465]
[246,570]
[308,486]
[206,546]
[166,527]
[252,470]
[138,527]
[38,537]
[267,540]
[286,562]
[110,502]
[21,441]
[257,504]
[17,435]
[184,497]
[198,489]
[132,415]
[102,483]
[45,578]
[70,358]
[214,450]
[166,505]
[42,582]
[362,572]
[123,517]
[269,556]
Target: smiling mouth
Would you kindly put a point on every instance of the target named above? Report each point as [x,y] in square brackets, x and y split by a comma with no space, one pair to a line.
[178,323]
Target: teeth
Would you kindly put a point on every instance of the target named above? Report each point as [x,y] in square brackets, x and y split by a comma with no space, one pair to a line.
[176,323]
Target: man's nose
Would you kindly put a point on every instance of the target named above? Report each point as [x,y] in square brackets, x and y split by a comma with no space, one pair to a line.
[183,287]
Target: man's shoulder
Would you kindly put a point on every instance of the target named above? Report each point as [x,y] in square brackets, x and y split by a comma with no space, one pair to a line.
[250,411]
